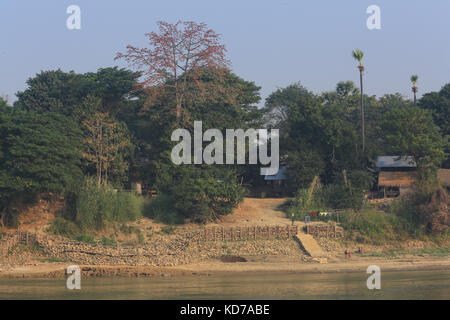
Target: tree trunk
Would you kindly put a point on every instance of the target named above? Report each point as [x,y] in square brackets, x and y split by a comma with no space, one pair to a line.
[363,124]
[178,111]
[2,218]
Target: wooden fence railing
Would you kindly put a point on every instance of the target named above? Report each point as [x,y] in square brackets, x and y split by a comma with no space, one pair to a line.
[246,233]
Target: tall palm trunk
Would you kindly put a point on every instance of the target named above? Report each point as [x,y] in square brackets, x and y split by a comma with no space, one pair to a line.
[363,124]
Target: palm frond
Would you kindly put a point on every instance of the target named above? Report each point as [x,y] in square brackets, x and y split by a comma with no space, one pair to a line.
[414,78]
[358,55]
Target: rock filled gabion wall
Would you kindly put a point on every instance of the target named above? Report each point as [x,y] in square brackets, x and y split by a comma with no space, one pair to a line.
[324,230]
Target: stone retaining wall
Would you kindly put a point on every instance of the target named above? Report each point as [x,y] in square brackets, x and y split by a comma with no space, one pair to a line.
[324,230]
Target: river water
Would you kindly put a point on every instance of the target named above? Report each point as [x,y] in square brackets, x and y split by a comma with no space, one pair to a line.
[394,285]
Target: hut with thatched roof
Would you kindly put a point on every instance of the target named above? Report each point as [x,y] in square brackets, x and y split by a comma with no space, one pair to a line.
[396,175]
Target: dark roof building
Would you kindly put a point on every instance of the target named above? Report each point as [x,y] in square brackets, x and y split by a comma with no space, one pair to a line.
[396,179]
[395,162]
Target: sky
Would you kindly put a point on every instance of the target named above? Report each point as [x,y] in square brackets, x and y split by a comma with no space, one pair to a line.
[273,43]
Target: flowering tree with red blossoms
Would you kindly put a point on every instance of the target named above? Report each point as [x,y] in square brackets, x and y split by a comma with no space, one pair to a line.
[176,54]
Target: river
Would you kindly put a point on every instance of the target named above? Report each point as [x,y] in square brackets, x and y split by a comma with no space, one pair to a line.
[394,285]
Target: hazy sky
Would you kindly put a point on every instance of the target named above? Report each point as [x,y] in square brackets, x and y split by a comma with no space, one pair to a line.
[272,43]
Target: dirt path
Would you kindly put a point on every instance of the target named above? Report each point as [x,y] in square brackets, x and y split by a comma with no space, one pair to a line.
[255,211]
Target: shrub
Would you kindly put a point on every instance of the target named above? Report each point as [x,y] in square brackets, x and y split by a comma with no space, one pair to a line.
[108,242]
[63,227]
[201,193]
[368,226]
[340,196]
[162,209]
[128,206]
[87,238]
[98,205]
[305,202]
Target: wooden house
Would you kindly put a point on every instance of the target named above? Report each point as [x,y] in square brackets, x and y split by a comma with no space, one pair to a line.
[396,175]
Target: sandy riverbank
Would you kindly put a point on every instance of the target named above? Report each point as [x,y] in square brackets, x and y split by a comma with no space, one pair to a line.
[215,267]
[174,255]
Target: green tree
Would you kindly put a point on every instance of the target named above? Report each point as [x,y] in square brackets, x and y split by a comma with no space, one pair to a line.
[106,143]
[64,92]
[38,154]
[439,104]
[410,131]
[3,103]
[221,101]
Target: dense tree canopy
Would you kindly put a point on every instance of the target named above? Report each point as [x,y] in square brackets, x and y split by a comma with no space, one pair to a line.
[410,131]
[38,153]
[63,92]
[439,104]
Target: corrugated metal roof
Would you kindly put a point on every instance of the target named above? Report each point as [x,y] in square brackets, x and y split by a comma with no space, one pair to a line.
[279,176]
[396,178]
[395,162]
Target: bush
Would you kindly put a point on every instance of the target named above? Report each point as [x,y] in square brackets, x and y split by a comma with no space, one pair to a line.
[108,242]
[201,193]
[368,226]
[340,196]
[87,238]
[63,227]
[98,205]
[128,207]
[305,202]
[162,209]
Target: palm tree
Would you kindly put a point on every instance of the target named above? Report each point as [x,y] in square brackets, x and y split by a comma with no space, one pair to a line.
[414,79]
[358,55]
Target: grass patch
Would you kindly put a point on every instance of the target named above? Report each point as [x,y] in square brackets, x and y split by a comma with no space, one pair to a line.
[111,242]
[64,227]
